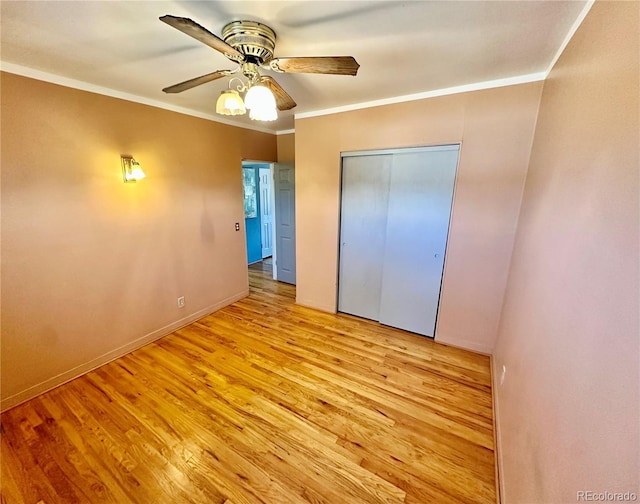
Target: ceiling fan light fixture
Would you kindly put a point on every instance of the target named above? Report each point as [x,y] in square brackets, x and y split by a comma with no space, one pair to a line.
[230,103]
[251,45]
[260,114]
[261,103]
[259,96]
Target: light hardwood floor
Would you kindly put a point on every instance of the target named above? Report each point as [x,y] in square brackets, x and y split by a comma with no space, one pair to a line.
[266,402]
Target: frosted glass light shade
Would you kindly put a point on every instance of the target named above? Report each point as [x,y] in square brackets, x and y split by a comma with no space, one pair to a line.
[266,114]
[230,103]
[261,104]
[259,96]
[131,169]
[136,171]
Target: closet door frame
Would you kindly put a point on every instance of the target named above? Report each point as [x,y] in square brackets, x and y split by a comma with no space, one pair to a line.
[391,151]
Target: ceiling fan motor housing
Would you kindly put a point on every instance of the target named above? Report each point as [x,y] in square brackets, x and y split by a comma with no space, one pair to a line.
[255,40]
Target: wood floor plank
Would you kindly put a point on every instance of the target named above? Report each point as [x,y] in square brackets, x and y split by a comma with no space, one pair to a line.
[262,402]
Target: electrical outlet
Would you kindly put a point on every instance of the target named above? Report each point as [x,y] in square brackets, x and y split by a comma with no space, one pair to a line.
[503,375]
[181,302]
[237,226]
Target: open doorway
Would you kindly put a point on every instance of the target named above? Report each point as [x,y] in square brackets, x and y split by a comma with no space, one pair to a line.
[269,208]
[258,210]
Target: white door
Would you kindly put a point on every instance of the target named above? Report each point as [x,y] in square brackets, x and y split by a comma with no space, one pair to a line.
[266,212]
[420,197]
[285,213]
[395,213]
[363,224]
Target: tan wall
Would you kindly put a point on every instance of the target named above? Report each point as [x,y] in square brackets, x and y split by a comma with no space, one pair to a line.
[91,266]
[568,415]
[286,148]
[496,129]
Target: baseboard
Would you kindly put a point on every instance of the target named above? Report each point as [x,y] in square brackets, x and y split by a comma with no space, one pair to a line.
[465,345]
[76,372]
[310,304]
[496,434]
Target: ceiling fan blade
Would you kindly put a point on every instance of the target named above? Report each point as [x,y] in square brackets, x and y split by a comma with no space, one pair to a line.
[191,83]
[336,65]
[283,100]
[193,29]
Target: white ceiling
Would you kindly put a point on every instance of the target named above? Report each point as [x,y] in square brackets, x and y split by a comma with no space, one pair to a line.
[403,47]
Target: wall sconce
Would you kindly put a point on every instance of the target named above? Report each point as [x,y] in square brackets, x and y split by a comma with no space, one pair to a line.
[131,169]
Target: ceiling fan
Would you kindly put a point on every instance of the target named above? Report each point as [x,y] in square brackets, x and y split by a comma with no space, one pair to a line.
[251,44]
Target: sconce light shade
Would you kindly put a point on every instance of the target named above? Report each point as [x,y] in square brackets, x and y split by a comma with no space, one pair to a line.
[230,103]
[261,104]
[131,169]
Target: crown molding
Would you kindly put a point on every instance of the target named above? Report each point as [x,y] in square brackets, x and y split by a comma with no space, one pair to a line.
[92,88]
[574,28]
[477,86]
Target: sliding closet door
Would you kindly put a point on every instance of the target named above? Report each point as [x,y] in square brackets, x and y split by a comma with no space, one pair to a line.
[363,224]
[419,208]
